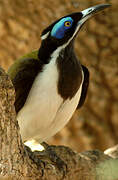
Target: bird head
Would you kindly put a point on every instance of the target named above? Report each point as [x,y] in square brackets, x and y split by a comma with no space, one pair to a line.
[64,30]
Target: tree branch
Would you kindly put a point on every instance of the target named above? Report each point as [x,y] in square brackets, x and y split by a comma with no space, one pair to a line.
[18,162]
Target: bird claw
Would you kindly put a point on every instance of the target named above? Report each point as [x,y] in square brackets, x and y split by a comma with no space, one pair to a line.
[61,165]
[33,156]
[49,152]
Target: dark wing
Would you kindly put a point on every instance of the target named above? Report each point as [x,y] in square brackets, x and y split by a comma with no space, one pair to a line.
[22,74]
[84,87]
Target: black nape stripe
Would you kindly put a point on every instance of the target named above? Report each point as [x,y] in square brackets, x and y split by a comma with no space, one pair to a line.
[45,51]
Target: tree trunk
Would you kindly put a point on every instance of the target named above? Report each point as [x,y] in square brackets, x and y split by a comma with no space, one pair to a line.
[19,163]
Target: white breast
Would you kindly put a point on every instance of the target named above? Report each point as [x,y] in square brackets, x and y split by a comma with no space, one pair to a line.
[44,112]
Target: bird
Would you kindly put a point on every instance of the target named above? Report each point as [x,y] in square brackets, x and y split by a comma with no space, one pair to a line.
[51,83]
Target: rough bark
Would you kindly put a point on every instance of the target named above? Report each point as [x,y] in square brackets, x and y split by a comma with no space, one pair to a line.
[18,163]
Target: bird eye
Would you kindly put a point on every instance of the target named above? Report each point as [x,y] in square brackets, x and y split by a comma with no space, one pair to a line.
[67,24]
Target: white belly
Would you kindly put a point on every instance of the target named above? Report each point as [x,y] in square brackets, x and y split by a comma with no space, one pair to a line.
[45,112]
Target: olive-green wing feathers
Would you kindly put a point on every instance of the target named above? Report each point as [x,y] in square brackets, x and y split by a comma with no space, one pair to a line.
[22,74]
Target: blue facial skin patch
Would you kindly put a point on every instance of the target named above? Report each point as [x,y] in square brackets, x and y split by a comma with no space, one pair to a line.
[59,28]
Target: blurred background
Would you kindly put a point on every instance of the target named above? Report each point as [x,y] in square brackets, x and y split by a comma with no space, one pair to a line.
[95,125]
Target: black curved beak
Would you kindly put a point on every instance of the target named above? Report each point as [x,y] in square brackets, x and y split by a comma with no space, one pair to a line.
[87,13]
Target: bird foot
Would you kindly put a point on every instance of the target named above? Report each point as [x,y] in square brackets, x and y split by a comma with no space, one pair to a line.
[33,156]
[52,155]
[40,158]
